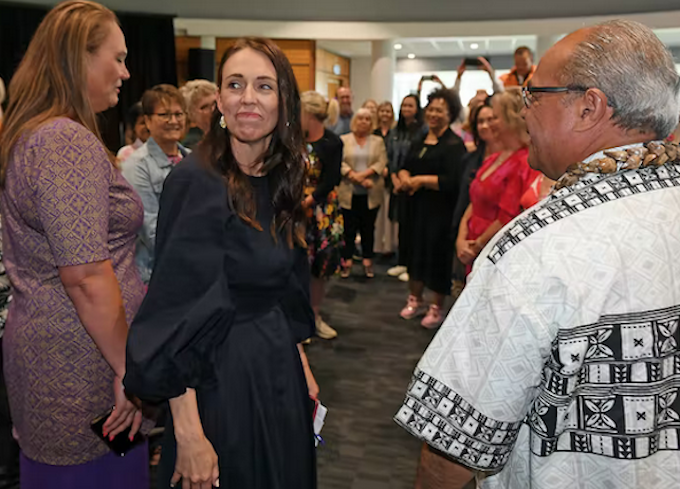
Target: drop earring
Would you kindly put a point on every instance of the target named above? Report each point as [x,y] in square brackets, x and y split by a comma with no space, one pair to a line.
[223,123]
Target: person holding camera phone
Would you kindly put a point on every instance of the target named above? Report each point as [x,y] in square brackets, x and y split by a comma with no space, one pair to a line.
[479,63]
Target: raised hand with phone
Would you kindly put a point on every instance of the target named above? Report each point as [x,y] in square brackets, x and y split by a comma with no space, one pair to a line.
[479,63]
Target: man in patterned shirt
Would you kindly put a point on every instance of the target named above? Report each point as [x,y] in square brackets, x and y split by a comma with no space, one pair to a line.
[559,366]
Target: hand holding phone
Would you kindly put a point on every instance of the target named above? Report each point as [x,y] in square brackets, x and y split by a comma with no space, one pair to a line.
[472,62]
[121,443]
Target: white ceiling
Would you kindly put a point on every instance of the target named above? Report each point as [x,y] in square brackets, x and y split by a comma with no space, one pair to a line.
[436,47]
[385,10]
[445,47]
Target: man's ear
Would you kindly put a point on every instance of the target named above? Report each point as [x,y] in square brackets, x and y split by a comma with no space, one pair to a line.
[591,110]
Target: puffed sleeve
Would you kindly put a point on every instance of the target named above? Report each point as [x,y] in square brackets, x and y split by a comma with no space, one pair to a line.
[187,310]
[296,304]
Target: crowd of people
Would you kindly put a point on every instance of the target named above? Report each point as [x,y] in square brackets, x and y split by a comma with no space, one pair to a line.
[189,269]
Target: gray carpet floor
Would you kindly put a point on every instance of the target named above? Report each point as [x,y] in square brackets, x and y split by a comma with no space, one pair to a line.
[362,376]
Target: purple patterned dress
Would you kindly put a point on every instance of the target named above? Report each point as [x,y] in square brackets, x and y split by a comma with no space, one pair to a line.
[64,204]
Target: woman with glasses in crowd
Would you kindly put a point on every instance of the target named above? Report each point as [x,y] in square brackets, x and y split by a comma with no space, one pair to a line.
[148,167]
[500,182]
[69,225]
[486,143]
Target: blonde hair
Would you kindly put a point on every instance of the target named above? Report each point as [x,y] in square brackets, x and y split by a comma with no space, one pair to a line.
[333,112]
[51,80]
[510,105]
[357,114]
[314,103]
[194,90]
[391,107]
[374,117]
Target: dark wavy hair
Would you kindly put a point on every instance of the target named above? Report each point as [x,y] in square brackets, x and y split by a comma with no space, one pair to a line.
[284,162]
[417,121]
[474,120]
[451,98]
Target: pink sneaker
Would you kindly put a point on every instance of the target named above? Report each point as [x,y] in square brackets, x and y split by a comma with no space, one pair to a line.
[413,308]
[434,317]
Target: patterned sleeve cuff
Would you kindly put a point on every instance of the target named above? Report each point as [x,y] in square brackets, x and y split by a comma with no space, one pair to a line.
[444,420]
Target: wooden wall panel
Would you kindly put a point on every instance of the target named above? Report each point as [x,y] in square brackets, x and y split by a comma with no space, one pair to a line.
[327,79]
[304,76]
[300,53]
[326,61]
[182,46]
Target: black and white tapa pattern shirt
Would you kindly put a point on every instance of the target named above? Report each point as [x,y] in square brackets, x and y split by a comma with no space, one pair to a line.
[559,366]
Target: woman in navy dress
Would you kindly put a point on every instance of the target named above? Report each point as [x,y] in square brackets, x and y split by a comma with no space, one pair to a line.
[228,303]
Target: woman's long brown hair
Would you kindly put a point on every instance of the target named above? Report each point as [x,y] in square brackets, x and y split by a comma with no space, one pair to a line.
[51,80]
[284,162]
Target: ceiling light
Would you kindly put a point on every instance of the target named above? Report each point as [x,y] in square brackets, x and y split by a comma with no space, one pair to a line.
[411,56]
[474,45]
[398,46]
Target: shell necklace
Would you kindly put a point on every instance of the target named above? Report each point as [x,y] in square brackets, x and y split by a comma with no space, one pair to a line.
[653,153]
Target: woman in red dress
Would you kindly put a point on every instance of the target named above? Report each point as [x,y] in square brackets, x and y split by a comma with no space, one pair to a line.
[500,182]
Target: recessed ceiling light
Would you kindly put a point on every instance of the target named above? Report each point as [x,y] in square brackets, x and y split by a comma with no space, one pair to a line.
[411,56]
[398,46]
[474,45]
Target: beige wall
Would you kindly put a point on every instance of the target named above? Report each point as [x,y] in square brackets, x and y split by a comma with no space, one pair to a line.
[360,81]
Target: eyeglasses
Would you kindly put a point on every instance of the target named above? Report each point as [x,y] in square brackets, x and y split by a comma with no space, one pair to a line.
[167,116]
[528,92]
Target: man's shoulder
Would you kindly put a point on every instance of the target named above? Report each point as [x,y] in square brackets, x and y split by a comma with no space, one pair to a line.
[590,204]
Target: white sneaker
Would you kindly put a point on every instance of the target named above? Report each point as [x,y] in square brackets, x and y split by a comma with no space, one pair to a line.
[396,271]
[323,330]
[404,277]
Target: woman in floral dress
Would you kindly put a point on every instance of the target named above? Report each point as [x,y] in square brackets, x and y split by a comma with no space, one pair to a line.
[325,225]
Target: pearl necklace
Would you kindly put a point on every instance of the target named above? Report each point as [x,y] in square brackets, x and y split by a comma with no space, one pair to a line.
[654,153]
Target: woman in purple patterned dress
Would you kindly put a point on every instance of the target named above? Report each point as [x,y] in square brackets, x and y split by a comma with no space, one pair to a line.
[69,227]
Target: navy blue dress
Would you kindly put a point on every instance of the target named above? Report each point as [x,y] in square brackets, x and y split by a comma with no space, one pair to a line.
[227,305]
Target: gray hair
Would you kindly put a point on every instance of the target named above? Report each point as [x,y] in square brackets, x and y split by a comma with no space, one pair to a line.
[193,90]
[634,69]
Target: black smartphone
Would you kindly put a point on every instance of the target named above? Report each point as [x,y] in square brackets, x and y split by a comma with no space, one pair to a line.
[428,78]
[472,62]
[121,444]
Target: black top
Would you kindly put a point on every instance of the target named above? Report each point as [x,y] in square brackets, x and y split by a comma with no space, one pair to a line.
[329,151]
[442,159]
[193,137]
[210,267]
[399,141]
[378,132]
